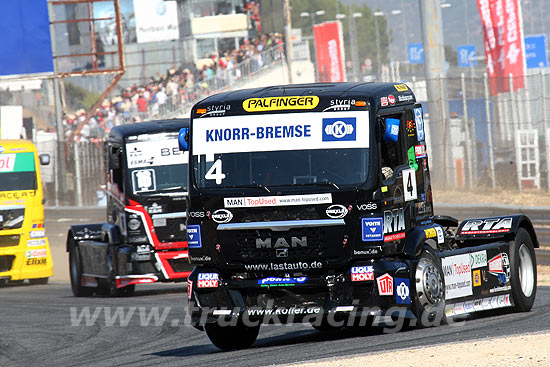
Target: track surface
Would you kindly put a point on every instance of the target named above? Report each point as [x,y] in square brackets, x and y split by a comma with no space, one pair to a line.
[45,325]
[36,330]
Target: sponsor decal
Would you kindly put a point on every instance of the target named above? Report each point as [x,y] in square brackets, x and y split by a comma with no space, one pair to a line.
[39,242]
[215,110]
[281,242]
[284,311]
[430,233]
[34,254]
[203,258]
[409,183]
[406,98]
[154,209]
[499,266]
[500,289]
[385,285]
[401,87]
[37,234]
[476,276]
[222,216]
[339,129]
[394,237]
[281,282]
[194,236]
[281,252]
[392,130]
[362,273]
[37,261]
[440,235]
[410,128]
[280,103]
[38,225]
[391,99]
[207,280]
[196,214]
[284,266]
[367,207]
[487,226]
[371,229]
[156,150]
[369,251]
[469,307]
[384,101]
[458,276]
[271,132]
[459,309]
[420,151]
[394,221]
[478,259]
[336,211]
[260,201]
[341,104]
[402,291]
[419,123]
[478,305]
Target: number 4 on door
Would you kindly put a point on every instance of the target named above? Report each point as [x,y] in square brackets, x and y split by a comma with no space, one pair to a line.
[409,183]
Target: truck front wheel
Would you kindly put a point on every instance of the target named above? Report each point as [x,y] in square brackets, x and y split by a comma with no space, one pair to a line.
[523,271]
[75,267]
[239,336]
[429,300]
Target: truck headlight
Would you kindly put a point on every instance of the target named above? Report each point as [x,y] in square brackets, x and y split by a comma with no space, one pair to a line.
[134,224]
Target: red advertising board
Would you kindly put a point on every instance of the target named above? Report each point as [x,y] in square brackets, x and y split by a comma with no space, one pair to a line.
[329,49]
[504,47]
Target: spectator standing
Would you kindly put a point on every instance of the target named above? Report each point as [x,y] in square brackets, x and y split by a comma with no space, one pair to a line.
[142,107]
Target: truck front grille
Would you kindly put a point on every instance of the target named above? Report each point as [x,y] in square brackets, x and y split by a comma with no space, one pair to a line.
[6,262]
[173,231]
[11,216]
[8,241]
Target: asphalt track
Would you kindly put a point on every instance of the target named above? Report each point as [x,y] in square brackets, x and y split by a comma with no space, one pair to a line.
[46,325]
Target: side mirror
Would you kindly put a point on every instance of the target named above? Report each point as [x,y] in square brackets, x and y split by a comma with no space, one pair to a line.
[114,158]
[183,139]
[44,159]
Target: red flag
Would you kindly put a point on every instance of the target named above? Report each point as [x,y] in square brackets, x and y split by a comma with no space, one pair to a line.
[503,40]
[329,49]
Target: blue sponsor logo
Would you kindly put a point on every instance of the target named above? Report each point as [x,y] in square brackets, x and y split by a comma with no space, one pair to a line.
[371,229]
[339,129]
[419,123]
[402,291]
[275,281]
[194,236]
[392,130]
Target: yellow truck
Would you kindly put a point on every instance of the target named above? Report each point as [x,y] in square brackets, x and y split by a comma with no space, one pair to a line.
[24,248]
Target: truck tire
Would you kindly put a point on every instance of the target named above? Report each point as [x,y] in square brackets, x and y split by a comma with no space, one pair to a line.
[239,336]
[429,290]
[75,270]
[523,265]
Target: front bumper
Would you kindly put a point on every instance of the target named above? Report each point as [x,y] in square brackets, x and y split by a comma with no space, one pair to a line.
[26,262]
[333,295]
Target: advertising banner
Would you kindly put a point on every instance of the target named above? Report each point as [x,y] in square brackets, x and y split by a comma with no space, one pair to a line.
[535,51]
[156,20]
[329,49]
[503,41]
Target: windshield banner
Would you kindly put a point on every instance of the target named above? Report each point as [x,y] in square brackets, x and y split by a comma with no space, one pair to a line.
[155,153]
[17,162]
[275,132]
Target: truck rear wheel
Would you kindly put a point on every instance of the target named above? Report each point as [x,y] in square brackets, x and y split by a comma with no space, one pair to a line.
[75,267]
[239,336]
[429,300]
[523,271]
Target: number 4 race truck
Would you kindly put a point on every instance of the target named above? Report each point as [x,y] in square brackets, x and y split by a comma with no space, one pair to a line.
[144,239]
[313,203]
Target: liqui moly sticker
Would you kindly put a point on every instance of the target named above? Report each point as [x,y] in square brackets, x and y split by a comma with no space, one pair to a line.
[207,280]
[362,273]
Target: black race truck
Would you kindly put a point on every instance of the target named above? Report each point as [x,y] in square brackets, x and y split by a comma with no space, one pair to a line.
[144,239]
[313,203]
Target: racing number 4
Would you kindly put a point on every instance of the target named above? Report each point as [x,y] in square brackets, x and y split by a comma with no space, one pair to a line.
[215,172]
[409,183]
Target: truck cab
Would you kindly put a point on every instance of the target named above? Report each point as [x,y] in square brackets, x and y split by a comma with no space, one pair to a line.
[144,239]
[24,248]
[310,203]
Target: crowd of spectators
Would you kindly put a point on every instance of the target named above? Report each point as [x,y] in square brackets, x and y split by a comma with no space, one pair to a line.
[177,88]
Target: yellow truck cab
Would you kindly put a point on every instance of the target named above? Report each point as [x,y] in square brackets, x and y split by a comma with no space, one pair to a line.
[24,248]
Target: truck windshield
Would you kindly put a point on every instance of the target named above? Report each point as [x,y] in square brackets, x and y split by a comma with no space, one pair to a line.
[156,165]
[295,149]
[17,171]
